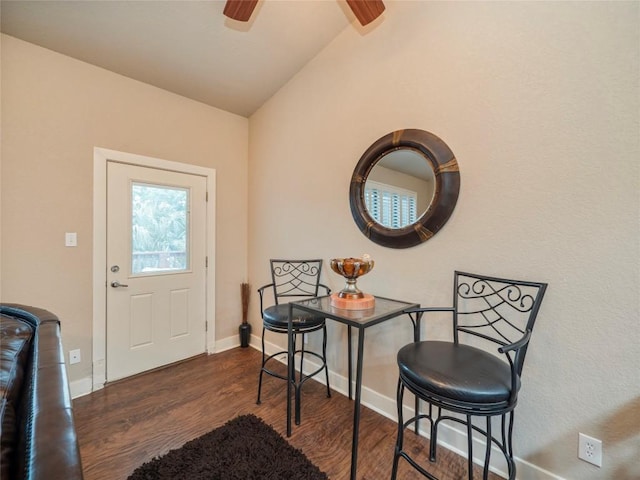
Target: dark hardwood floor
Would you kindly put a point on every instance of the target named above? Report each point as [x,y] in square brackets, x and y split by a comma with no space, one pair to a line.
[129,422]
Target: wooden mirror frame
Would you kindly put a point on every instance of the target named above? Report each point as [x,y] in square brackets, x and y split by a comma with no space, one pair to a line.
[447,188]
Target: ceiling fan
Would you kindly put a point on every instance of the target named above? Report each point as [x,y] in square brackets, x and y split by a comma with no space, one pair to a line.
[366,11]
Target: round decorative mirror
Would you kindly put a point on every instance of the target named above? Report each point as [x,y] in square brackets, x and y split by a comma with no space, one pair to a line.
[404,188]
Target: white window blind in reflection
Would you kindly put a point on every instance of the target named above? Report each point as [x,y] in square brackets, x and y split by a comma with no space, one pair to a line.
[390,206]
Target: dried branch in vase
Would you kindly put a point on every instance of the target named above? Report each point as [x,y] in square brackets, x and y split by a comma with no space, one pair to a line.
[245,291]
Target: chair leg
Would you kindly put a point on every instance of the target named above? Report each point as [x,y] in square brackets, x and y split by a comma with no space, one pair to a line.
[509,446]
[261,369]
[504,434]
[301,355]
[416,409]
[470,447]
[487,455]
[400,437]
[298,385]
[433,442]
[510,449]
[324,359]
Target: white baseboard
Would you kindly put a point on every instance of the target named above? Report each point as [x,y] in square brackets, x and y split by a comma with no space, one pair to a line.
[81,387]
[227,344]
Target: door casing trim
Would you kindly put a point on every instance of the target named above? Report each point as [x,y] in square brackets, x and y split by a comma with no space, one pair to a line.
[100,158]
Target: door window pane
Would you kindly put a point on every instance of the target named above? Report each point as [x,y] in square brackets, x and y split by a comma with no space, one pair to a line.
[159,229]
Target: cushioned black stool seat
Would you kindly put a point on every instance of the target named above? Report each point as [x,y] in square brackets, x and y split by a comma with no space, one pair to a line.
[277,316]
[455,372]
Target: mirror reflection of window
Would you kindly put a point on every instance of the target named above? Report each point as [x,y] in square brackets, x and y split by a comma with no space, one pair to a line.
[390,206]
[399,188]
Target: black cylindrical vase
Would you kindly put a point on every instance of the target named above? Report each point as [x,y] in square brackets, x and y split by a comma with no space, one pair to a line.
[245,334]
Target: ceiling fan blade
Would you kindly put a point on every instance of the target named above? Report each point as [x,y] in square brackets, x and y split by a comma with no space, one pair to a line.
[240,10]
[366,11]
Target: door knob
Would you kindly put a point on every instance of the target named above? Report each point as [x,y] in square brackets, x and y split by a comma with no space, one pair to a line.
[116,284]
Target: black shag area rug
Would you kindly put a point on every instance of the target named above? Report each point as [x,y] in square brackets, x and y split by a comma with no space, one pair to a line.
[245,448]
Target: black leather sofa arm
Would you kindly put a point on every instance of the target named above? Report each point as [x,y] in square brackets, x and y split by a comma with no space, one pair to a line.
[47,443]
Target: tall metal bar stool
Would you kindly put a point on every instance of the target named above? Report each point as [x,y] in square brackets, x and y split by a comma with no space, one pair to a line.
[293,280]
[465,379]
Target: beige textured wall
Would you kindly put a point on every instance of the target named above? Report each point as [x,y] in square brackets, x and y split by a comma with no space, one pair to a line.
[540,103]
[55,110]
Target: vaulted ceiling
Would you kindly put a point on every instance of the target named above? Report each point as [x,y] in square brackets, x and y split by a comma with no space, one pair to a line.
[187,47]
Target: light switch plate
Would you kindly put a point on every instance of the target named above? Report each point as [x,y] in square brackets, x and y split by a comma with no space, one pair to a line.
[71,239]
[74,356]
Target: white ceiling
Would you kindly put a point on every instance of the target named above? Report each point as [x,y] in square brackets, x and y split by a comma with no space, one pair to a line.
[187,47]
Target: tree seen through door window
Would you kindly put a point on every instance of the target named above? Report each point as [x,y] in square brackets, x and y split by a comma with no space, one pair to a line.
[159,228]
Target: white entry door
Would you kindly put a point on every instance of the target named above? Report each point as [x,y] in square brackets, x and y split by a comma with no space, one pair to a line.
[156,268]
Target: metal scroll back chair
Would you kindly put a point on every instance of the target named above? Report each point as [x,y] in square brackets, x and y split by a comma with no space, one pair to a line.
[462,378]
[293,280]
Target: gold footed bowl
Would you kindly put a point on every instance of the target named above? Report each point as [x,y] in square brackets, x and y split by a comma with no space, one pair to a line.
[351,268]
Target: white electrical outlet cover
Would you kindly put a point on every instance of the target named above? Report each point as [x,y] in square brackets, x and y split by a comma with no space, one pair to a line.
[590,449]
